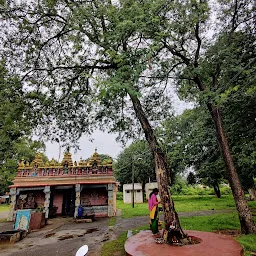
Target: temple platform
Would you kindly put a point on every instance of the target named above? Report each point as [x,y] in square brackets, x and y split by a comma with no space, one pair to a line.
[212,244]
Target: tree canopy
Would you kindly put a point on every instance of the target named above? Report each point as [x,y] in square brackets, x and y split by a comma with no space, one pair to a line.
[80,61]
[88,63]
[192,143]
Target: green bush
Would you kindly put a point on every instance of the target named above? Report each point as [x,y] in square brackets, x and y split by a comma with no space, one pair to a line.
[225,190]
[181,189]
[119,196]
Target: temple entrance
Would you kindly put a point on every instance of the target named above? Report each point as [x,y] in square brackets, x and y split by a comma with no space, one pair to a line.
[63,201]
[68,205]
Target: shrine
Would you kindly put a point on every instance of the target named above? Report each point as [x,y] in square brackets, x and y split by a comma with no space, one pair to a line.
[61,188]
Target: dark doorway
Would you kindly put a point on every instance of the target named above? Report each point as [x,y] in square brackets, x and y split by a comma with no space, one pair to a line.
[68,206]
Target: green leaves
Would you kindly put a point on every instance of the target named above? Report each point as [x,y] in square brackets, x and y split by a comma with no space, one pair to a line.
[190,142]
[139,157]
[15,128]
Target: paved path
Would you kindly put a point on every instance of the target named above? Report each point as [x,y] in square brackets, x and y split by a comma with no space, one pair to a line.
[131,223]
[75,235]
[3,215]
[37,243]
[211,244]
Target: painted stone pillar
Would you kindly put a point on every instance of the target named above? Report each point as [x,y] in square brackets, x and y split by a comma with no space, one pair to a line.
[111,211]
[114,198]
[47,191]
[12,204]
[78,201]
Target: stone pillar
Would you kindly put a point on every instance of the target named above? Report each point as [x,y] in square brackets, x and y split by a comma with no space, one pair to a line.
[78,201]
[12,204]
[114,198]
[110,200]
[47,191]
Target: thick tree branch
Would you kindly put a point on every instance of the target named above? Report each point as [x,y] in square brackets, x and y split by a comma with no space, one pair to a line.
[63,20]
[199,41]
[234,19]
[176,53]
[84,67]
[199,83]
[57,36]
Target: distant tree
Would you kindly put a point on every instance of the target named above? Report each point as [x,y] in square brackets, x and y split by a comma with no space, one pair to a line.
[23,148]
[192,143]
[102,157]
[15,128]
[139,157]
[191,179]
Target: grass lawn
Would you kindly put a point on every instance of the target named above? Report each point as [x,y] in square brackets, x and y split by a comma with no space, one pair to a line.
[204,223]
[4,207]
[211,222]
[184,204]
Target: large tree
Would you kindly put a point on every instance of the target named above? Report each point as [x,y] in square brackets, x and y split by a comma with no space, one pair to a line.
[76,54]
[182,28]
[86,63]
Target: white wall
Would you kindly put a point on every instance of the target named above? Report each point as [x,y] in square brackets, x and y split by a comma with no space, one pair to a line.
[127,193]
[138,196]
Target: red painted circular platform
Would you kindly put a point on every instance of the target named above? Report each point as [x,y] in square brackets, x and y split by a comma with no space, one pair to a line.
[143,244]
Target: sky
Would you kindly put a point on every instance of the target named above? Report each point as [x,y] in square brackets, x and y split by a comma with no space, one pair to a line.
[104,142]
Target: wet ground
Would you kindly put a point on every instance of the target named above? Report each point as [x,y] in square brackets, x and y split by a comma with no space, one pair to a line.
[3,215]
[63,237]
[210,244]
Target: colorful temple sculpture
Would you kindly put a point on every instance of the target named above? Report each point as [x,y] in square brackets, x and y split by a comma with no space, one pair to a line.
[63,188]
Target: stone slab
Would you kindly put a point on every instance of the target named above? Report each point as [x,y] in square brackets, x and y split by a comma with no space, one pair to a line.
[143,244]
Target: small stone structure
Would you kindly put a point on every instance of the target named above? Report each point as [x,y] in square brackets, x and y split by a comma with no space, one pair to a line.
[127,193]
[138,192]
[59,188]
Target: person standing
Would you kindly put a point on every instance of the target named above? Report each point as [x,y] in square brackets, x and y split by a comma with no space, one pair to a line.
[153,208]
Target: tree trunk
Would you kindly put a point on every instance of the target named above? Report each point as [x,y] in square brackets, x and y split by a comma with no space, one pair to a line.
[216,190]
[170,215]
[252,193]
[244,212]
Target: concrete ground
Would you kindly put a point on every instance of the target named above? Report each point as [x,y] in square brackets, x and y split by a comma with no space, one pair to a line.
[3,215]
[211,244]
[63,237]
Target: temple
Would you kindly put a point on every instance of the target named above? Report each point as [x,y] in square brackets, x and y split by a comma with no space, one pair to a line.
[60,188]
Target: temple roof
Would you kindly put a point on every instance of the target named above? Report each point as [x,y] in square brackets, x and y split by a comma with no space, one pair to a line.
[55,180]
[37,161]
[95,158]
[67,159]
[38,173]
